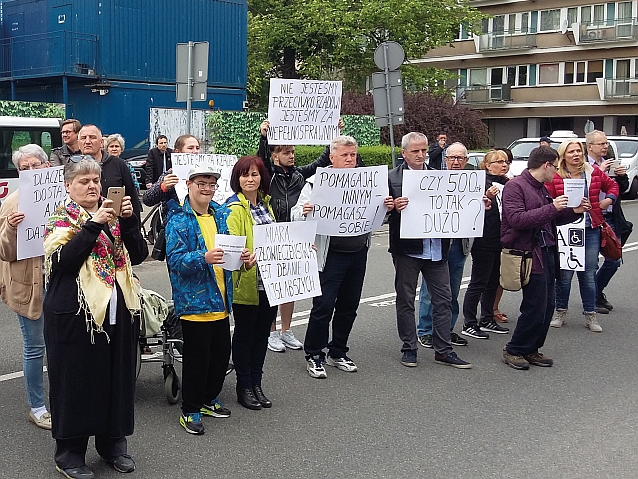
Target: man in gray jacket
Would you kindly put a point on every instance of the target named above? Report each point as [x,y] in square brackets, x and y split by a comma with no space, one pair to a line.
[70,129]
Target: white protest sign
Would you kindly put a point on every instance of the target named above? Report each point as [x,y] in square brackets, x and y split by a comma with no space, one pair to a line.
[571,245]
[183,162]
[349,201]
[443,204]
[575,191]
[303,112]
[287,261]
[233,247]
[40,192]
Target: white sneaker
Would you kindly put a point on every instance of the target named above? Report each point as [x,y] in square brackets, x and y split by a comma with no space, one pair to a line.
[559,318]
[275,343]
[345,363]
[289,340]
[314,366]
[592,323]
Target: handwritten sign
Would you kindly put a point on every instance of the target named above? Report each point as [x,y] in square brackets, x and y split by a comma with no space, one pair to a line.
[287,261]
[349,201]
[443,204]
[575,191]
[233,247]
[571,245]
[303,112]
[183,162]
[40,193]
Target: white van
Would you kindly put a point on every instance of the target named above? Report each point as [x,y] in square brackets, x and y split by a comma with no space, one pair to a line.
[624,148]
[16,132]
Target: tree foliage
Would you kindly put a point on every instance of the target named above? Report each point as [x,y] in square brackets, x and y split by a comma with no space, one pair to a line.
[430,114]
[336,39]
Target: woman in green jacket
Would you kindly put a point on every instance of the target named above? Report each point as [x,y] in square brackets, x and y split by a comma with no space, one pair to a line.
[252,312]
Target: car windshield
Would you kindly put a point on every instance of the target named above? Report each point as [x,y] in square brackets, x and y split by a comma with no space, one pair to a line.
[626,148]
[522,149]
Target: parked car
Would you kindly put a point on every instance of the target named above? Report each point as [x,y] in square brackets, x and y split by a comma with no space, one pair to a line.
[136,157]
[624,148]
[475,158]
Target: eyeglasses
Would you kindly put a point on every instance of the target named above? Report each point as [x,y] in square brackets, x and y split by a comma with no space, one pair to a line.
[67,132]
[205,186]
[555,165]
[32,166]
[454,159]
[78,158]
[499,162]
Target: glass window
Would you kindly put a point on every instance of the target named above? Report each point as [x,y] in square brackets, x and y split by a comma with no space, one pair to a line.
[498,24]
[522,75]
[624,11]
[485,25]
[511,23]
[594,70]
[511,76]
[599,14]
[622,68]
[580,72]
[572,16]
[550,20]
[525,22]
[548,73]
[568,78]
[585,15]
[478,76]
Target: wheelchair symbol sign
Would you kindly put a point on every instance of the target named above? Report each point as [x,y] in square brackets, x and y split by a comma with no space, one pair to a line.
[576,237]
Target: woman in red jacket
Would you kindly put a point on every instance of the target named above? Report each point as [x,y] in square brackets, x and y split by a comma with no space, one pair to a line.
[602,192]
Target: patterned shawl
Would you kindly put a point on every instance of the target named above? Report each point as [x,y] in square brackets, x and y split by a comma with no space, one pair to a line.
[107,263]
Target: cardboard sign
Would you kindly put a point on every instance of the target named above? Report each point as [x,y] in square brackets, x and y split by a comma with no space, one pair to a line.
[303,112]
[287,260]
[39,195]
[349,201]
[443,204]
[183,162]
[571,245]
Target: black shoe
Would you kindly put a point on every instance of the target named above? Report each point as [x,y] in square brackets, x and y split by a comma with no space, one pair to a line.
[602,301]
[261,397]
[601,309]
[82,472]
[409,358]
[426,341]
[493,327]
[457,340]
[246,397]
[230,368]
[474,332]
[123,463]
[451,359]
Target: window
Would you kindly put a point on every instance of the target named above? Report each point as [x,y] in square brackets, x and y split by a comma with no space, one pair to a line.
[524,22]
[511,76]
[568,78]
[522,75]
[517,76]
[572,16]
[624,12]
[478,76]
[550,20]
[623,69]
[594,70]
[585,15]
[548,73]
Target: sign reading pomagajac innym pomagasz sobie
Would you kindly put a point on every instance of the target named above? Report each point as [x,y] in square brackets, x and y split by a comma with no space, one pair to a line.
[287,261]
[303,112]
[40,192]
[349,201]
[183,162]
[443,204]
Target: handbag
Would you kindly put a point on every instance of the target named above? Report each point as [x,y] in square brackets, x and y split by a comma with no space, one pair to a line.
[516,269]
[159,247]
[610,246]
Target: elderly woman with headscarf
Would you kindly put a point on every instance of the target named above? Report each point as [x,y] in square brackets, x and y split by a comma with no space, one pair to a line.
[90,332]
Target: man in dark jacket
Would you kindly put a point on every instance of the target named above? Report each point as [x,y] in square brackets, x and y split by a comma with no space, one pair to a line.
[158,161]
[70,129]
[115,171]
[529,224]
[427,256]
[436,151]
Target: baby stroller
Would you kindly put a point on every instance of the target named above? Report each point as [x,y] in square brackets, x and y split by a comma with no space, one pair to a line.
[160,335]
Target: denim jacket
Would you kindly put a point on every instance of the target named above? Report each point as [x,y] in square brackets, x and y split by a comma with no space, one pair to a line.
[195,289]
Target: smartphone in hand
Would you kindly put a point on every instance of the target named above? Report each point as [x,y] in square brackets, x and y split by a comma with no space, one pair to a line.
[115,194]
[612,168]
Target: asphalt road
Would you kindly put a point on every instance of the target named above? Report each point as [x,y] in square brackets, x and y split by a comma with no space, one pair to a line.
[574,420]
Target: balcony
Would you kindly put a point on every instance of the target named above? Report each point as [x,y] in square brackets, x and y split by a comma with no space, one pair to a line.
[48,54]
[608,32]
[505,41]
[483,94]
[619,88]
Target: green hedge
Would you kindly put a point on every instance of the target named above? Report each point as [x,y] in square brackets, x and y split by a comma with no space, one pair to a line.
[237,132]
[372,155]
[31,109]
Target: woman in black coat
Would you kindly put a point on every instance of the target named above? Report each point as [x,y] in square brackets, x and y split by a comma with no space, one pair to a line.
[90,330]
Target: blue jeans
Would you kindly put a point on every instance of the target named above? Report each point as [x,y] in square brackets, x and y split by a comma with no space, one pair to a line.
[456,263]
[586,279]
[33,359]
[609,267]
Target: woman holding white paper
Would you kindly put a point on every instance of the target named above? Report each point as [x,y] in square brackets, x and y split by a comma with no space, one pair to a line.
[203,295]
[20,279]
[250,205]
[602,192]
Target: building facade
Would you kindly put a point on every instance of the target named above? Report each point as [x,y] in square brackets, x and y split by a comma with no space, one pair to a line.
[543,65]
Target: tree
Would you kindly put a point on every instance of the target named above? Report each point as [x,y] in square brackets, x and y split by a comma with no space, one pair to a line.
[336,39]
[427,113]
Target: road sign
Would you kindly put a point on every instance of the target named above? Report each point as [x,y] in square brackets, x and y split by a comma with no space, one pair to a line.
[199,92]
[199,62]
[380,98]
[394,55]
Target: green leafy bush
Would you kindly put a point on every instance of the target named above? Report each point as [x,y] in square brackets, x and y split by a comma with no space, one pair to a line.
[237,132]
[27,109]
[371,155]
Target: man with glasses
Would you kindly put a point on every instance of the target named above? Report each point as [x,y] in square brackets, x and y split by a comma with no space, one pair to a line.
[457,159]
[70,129]
[529,224]
[428,256]
[597,149]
